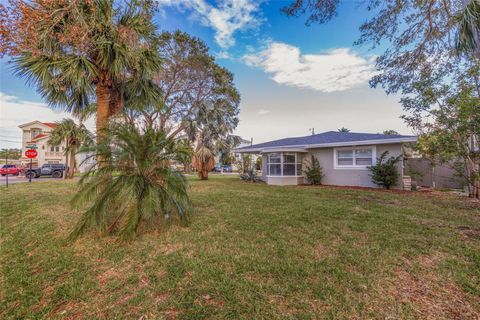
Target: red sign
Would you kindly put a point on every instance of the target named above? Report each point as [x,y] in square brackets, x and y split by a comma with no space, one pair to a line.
[31,153]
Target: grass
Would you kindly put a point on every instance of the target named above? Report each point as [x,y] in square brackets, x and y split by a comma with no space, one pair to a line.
[252,251]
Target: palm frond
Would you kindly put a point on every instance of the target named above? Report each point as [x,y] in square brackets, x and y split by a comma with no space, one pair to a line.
[135,187]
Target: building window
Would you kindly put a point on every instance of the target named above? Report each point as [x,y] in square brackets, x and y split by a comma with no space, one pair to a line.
[275,164]
[35,132]
[357,157]
[284,164]
[55,148]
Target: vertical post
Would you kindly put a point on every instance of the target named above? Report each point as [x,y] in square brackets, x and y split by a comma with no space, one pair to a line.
[30,175]
[6,166]
[65,173]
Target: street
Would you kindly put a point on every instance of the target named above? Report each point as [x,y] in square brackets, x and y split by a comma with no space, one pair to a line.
[20,179]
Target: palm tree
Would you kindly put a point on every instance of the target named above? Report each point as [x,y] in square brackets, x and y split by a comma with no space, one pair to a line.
[74,135]
[85,52]
[468,34]
[203,160]
[209,144]
[343,129]
[135,188]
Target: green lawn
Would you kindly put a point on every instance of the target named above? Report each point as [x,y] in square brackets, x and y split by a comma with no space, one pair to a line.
[251,251]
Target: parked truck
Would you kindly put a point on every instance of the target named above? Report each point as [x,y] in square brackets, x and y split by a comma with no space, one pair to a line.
[55,170]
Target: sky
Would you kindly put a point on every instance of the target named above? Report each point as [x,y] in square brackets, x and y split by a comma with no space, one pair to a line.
[291,77]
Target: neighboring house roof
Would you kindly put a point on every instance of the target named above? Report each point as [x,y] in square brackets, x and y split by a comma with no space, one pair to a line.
[39,136]
[48,124]
[52,125]
[327,139]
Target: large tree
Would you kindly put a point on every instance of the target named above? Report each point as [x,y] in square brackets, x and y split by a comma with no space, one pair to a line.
[79,53]
[212,133]
[193,86]
[421,36]
[199,99]
[447,119]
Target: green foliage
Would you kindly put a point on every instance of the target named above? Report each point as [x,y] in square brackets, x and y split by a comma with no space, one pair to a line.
[385,172]
[78,46]
[244,163]
[258,163]
[468,35]
[134,188]
[74,134]
[343,129]
[250,176]
[451,132]
[421,38]
[391,132]
[11,154]
[313,171]
[185,154]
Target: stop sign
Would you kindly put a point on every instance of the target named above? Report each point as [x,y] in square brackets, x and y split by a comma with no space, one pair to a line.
[31,153]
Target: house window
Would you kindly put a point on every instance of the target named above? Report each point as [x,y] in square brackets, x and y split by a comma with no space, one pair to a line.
[284,164]
[55,148]
[357,157]
[35,132]
[275,164]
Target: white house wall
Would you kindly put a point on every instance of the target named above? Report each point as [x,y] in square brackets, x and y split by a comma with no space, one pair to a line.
[352,176]
[335,176]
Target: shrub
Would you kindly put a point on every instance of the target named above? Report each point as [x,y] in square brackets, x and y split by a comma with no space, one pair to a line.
[385,173]
[250,175]
[314,172]
[135,188]
[258,163]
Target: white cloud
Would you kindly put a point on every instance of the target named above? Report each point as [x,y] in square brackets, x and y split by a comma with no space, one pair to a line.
[227,18]
[263,111]
[335,70]
[14,111]
[223,55]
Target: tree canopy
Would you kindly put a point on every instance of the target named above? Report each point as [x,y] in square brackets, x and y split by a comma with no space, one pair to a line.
[421,36]
[78,53]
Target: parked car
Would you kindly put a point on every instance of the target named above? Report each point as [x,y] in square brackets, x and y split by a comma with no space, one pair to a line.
[55,170]
[227,169]
[10,169]
[222,168]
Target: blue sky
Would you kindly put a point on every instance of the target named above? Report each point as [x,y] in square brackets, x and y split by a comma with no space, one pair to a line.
[291,77]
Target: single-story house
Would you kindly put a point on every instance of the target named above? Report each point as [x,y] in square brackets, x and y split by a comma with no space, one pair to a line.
[344,157]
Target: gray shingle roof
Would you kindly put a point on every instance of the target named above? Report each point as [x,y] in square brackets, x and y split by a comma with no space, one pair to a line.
[328,137]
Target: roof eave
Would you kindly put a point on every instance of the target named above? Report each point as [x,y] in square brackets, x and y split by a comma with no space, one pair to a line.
[362,143]
[329,145]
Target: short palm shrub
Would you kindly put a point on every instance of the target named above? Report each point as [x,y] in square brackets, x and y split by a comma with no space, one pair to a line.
[250,175]
[313,171]
[132,187]
[385,172]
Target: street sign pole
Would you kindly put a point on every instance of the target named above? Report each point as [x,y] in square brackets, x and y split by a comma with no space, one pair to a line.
[31,153]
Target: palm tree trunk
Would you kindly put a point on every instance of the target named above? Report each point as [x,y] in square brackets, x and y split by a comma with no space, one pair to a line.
[71,164]
[103,110]
[65,174]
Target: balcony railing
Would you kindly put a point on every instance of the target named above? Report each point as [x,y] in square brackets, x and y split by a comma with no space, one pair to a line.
[50,154]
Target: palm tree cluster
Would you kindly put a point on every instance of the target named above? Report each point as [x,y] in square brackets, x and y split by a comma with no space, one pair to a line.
[135,188]
[157,97]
